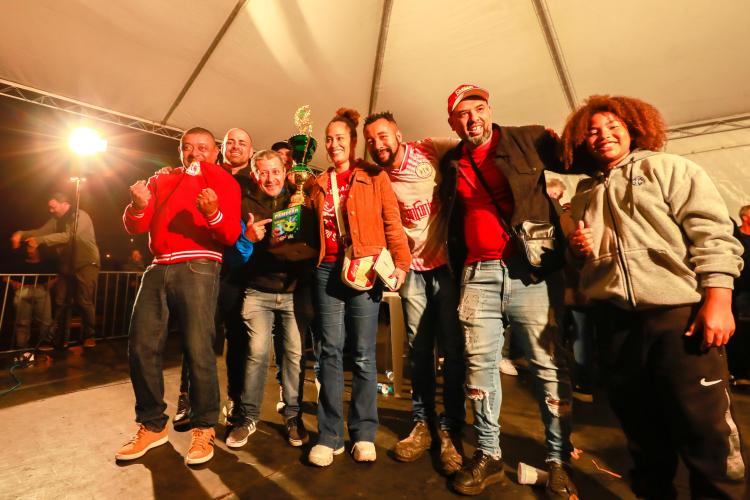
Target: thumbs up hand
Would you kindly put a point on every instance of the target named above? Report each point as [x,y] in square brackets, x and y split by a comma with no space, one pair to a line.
[581,241]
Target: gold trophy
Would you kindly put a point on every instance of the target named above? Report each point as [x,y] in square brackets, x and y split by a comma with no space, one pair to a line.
[303,147]
[295,231]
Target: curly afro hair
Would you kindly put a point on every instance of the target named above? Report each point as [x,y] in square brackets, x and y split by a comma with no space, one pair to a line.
[644,122]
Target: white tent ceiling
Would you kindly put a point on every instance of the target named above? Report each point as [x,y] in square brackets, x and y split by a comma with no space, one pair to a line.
[251,63]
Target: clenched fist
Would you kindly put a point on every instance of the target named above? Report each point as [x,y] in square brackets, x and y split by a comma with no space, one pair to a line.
[208,202]
[140,195]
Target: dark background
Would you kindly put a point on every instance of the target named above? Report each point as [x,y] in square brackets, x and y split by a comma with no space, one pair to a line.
[35,162]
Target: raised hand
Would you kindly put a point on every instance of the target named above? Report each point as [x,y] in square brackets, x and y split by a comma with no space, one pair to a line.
[140,195]
[208,202]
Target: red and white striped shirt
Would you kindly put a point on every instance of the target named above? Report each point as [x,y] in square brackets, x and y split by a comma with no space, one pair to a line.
[415,184]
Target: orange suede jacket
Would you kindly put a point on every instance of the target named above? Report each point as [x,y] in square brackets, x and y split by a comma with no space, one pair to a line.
[372,211]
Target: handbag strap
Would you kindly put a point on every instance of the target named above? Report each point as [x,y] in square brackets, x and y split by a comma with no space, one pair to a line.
[337,206]
[486,187]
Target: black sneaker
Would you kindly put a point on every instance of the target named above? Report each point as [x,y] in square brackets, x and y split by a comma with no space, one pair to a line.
[181,420]
[478,473]
[296,432]
[559,484]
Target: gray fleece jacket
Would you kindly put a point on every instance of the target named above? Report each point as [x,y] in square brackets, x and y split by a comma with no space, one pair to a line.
[661,233]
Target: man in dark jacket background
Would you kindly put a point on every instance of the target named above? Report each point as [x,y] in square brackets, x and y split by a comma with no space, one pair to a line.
[497,172]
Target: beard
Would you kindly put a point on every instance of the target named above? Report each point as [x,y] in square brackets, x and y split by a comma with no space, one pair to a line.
[478,140]
[388,162]
[388,159]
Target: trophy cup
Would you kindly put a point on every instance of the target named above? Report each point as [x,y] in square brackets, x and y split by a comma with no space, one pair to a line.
[303,147]
[295,230]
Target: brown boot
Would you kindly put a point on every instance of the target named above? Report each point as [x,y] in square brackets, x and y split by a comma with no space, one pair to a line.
[450,459]
[415,444]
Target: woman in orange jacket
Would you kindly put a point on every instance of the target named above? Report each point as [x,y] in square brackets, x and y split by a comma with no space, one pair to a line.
[356,208]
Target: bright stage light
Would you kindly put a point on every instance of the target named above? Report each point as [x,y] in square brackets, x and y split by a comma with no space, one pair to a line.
[86,142]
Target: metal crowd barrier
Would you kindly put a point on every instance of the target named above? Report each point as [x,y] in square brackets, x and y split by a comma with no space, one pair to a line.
[114,298]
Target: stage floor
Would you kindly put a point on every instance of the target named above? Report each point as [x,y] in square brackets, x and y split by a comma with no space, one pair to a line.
[71,413]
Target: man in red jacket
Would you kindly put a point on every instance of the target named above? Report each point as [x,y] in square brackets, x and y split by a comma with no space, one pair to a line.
[191,213]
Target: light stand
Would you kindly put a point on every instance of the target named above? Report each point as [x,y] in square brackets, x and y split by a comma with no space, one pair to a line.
[84,142]
[70,286]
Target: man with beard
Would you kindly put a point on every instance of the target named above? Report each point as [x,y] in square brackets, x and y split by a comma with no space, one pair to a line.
[497,173]
[191,214]
[429,294]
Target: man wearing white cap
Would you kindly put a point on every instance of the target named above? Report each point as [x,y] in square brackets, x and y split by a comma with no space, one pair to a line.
[493,180]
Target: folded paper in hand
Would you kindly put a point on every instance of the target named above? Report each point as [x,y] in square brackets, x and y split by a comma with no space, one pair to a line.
[385,268]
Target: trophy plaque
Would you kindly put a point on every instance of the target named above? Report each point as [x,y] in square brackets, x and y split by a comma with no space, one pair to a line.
[295,229]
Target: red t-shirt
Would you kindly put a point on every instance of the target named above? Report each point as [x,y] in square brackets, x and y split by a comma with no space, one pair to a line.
[484,234]
[334,248]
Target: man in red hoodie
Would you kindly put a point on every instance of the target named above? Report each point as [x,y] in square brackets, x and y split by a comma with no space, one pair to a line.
[191,213]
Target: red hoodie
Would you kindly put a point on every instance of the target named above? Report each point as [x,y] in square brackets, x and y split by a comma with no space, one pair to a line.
[178,231]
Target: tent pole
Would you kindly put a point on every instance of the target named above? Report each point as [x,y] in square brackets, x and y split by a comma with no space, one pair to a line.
[553,44]
[385,22]
[232,15]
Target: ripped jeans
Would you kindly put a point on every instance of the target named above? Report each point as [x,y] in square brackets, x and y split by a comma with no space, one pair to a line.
[492,297]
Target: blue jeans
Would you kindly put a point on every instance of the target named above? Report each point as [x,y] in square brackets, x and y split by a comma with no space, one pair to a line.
[338,305]
[187,290]
[262,311]
[493,295]
[32,302]
[304,309]
[430,301]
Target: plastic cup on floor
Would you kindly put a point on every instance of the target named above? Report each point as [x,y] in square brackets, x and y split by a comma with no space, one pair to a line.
[528,474]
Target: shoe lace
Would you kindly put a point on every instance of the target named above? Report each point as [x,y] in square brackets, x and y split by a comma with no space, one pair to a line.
[201,438]
[138,435]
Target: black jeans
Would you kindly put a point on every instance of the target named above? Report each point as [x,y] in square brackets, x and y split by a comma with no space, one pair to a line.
[82,285]
[187,290]
[672,400]
[229,318]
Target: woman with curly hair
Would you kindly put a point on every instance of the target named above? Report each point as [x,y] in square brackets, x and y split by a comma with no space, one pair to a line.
[657,257]
[356,208]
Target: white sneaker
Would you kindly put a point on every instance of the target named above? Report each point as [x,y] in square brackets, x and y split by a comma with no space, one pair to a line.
[322,455]
[507,367]
[364,451]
